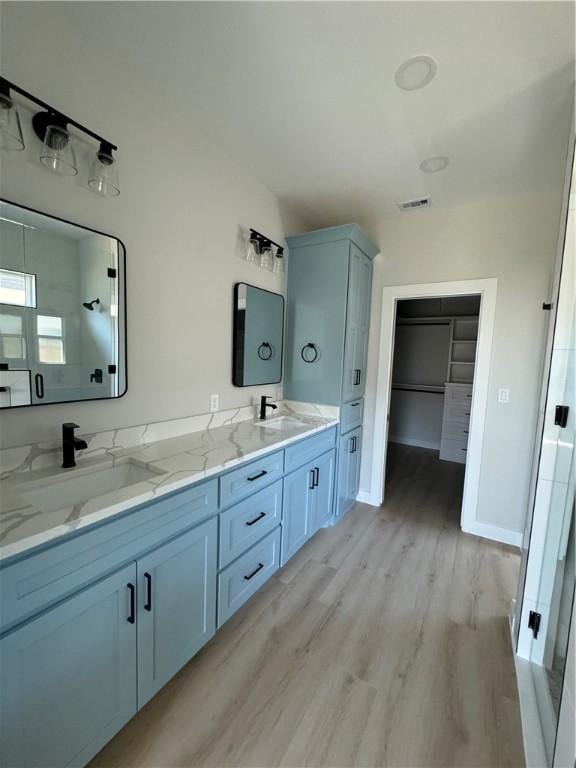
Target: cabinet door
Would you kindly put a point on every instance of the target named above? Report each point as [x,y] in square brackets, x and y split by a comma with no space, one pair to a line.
[348,471]
[296,520]
[176,605]
[323,493]
[357,323]
[354,467]
[68,677]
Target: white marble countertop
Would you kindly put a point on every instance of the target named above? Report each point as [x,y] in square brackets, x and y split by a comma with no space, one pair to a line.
[176,463]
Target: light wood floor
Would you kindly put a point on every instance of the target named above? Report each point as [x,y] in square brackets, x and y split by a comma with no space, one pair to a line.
[384,642]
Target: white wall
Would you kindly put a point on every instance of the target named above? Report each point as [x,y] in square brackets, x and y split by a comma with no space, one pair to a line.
[180,215]
[514,241]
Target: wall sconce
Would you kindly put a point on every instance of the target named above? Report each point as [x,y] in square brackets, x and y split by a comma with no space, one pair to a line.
[264,253]
[57,153]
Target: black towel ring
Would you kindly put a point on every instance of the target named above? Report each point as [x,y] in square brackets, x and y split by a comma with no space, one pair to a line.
[309,357]
[261,351]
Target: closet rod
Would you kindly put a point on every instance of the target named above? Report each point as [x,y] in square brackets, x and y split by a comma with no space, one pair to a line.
[407,321]
[418,389]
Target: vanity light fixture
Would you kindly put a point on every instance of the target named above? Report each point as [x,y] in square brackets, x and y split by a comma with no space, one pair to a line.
[264,252]
[10,129]
[57,153]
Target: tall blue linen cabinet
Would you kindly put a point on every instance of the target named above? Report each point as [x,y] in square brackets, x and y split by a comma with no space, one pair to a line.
[327,322]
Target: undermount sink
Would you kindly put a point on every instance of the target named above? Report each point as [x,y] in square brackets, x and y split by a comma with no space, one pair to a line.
[60,492]
[281,423]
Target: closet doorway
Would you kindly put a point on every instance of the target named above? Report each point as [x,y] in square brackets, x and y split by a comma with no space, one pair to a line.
[432,384]
[431,395]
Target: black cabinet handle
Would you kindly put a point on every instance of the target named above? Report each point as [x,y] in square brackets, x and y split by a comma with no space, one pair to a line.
[148,603]
[254,572]
[132,593]
[39,384]
[258,476]
[316,471]
[357,375]
[351,445]
[311,483]
[259,517]
[353,405]
[463,449]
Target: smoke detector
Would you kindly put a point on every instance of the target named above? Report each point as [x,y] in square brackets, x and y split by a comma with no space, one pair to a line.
[412,205]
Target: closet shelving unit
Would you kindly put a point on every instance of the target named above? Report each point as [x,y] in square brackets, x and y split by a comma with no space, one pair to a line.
[462,358]
[461,353]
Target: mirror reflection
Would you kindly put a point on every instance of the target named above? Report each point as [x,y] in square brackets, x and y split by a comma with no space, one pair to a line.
[258,334]
[61,311]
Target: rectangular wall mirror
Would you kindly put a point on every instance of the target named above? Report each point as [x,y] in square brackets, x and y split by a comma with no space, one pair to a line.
[258,336]
[62,311]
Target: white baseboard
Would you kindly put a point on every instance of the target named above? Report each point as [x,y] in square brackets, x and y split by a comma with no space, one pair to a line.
[366,498]
[416,443]
[494,532]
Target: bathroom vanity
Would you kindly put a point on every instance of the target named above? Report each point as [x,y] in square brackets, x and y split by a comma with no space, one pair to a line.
[104,600]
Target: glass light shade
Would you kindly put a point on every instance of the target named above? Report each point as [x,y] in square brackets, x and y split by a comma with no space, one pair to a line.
[267,259]
[10,129]
[278,265]
[103,176]
[57,151]
[252,252]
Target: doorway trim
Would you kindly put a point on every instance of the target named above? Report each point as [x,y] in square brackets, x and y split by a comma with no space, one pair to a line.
[488,289]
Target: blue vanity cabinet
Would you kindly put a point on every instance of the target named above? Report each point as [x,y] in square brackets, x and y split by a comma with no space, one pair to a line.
[308,502]
[327,317]
[349,456]
[68,677]
[176,605]
[297,510]
[323,493]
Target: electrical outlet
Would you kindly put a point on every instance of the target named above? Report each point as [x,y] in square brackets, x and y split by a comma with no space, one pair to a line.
[214,403]
[503,395]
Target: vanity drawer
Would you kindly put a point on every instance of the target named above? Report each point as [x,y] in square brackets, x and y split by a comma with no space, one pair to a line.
[248,478]
[351,415]
[240,580]
[34,582]
[244,524]
[302,453]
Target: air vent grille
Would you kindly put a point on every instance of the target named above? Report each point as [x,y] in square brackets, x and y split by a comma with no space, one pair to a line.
[412,205]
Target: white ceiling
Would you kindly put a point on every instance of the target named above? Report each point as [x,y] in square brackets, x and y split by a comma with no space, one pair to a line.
[303,93]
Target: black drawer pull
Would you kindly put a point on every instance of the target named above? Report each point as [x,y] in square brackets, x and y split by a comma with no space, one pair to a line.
[311,485]
[463,449]
[148,603]
[132,593]
[251,575]
[353,405]
[467,414]
[259,517]
[316,471]
[258,476]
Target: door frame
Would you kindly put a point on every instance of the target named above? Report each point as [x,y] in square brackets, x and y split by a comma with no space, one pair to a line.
[488,290]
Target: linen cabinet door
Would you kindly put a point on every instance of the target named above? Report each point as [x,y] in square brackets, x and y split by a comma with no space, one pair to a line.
[68,677]
[296,512]
[350,372]
[177,605]
[364,267]
[323,494]
[354,469]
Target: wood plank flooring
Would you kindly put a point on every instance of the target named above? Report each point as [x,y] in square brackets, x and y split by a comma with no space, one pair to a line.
[384,642]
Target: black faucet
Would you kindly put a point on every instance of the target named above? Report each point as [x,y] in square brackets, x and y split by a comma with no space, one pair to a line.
[265,404]
[70,444]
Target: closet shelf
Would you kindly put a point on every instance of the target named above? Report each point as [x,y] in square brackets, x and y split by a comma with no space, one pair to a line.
[435,389]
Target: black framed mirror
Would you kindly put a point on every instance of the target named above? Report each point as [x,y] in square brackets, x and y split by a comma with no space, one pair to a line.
[62,310]
[258,336]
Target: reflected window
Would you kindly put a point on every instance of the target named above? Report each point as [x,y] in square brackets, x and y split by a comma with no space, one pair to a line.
[12,339]
[50,331]
[17,288]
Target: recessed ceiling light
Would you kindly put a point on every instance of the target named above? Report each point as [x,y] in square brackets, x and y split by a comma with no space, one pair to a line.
[415,73]
[434,164]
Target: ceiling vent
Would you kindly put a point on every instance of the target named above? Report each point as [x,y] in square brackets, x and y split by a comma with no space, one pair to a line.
[412,205]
